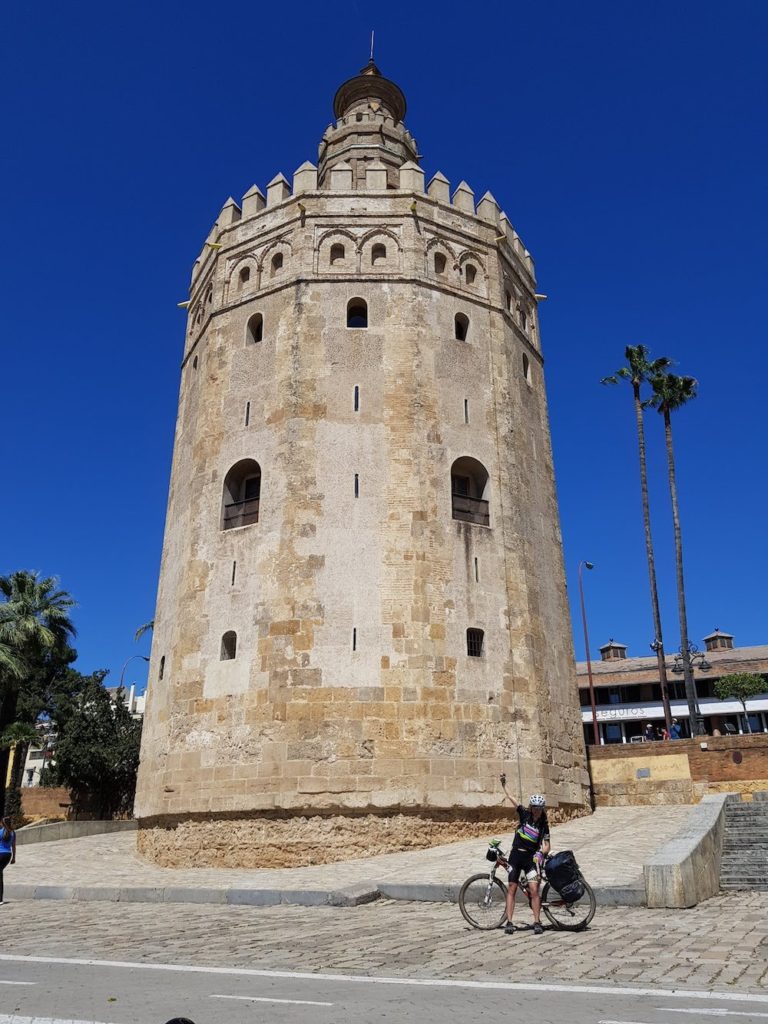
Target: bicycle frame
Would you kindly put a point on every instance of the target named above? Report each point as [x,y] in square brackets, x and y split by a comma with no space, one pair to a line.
[523,882]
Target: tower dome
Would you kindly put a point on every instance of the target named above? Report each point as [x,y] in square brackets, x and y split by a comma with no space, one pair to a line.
[361,614]
[369,111]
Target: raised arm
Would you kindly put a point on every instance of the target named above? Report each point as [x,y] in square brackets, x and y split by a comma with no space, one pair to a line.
[507,794]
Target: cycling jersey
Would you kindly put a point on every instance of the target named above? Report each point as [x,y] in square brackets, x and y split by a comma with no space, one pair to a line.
[530,834]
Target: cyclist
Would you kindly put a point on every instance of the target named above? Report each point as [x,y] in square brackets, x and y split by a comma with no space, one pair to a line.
[529,848]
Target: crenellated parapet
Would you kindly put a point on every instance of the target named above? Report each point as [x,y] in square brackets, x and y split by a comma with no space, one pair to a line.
[454,225]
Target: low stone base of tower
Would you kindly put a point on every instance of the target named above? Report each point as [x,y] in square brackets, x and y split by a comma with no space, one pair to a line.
[271,841]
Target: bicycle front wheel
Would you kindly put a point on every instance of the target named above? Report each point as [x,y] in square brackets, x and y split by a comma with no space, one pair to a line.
[572,917]
[483,902]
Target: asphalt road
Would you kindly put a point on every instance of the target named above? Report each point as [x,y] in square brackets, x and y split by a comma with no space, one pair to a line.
[47,990]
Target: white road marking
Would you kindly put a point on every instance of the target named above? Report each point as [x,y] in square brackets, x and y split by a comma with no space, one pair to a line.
[503,986]
[4,1019]
[266,999]
[3,982]
[714,1013]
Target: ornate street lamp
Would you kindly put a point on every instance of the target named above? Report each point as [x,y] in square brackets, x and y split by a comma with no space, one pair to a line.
[685,660]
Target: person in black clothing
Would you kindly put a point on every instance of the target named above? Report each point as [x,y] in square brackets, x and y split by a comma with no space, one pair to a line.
[529,846]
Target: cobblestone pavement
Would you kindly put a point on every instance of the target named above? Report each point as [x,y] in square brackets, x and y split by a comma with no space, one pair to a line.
[611,846]
[721,944]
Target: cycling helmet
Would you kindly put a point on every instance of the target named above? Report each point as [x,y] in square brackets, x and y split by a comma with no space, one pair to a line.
[537,800]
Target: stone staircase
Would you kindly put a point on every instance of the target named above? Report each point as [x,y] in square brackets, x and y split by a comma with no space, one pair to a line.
[745,845]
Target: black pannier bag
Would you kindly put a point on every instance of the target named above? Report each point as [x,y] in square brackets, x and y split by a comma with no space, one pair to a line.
[563,874]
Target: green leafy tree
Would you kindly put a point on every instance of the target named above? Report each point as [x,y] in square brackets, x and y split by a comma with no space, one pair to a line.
[35,629]
[638,373]
[97,749]
[741,686]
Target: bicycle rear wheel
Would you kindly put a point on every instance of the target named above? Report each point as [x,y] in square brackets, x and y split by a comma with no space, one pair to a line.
[483,902]
[571,917]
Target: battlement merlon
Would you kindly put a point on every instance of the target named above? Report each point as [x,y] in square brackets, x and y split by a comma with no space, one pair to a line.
[339,183]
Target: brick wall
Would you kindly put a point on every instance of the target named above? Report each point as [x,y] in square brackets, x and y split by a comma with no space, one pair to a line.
[679,771]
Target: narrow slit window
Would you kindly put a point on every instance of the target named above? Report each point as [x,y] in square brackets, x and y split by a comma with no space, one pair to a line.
[245,275]
[229,646]
[526,368]
[466,410]
[354,639]
[337,253]
[461,327]
[256,328]
[477,571]
[470,274]
[475,643]
[194,363]
[356,399]
[234,573]
[439,263]
[508,300]
[161,670]
[357,313]
[523,317]
[357,485]
[247,413]
[277,263]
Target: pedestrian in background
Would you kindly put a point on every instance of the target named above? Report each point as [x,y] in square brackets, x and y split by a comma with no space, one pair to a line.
[7,849]
[675,733]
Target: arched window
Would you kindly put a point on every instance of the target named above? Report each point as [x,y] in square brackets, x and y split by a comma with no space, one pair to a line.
[228,646]
[470,274]
[523,317]
[526,368]
[161,670]
[242,493]
[475,643]
[470,491]
[508,300]
[378,254]
[245,275]
[439,263]
[357,313]
[277,263]
[337,253]
[256,328]
[461,327]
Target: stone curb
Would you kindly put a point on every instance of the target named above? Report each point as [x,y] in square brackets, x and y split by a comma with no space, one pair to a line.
[352,896]
[606,896]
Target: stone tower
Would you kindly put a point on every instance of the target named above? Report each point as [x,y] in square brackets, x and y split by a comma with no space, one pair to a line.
[361,617]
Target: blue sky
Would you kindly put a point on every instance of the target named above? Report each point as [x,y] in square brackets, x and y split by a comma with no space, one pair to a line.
[626,142]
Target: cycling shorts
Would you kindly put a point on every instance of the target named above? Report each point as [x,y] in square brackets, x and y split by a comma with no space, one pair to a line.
[521,860]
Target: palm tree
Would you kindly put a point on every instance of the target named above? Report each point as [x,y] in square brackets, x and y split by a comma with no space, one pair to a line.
[34,622]
[671,393]
[640,370]
[148,627]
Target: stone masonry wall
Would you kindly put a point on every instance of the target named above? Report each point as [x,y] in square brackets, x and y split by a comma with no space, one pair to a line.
[303,720]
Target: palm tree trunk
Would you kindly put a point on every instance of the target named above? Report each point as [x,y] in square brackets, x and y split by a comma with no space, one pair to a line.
[690,686]
[746,717]
[659,642]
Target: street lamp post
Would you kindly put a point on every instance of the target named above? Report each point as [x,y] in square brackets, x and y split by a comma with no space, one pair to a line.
[685,659]
[595,730]
[128,660]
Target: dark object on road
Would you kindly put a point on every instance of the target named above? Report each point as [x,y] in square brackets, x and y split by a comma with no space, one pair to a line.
[180,1020]
[563,873]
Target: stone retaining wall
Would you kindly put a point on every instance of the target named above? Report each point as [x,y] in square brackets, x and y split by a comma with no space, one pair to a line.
[678,771]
